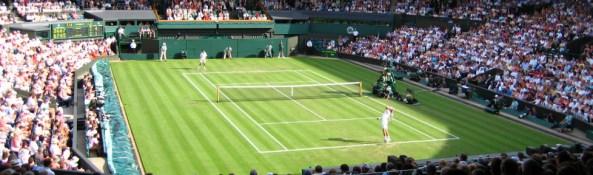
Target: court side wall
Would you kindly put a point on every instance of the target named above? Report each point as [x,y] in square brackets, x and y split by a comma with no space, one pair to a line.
[215,47]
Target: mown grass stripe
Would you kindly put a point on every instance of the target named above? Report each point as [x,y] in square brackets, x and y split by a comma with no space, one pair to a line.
[270,110]
[171,89]
[152,121]
[479,132]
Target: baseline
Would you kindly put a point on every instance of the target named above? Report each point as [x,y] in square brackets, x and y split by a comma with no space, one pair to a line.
[404,113]
[373,109]
[358,145]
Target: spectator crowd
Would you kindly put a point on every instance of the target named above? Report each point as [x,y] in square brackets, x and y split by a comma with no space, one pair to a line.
[42,11]
[210,10]
[6,16]
[529,48]
[456,9]
[117,4]
[545,160]
[36,88]
[91,111]
[376,6]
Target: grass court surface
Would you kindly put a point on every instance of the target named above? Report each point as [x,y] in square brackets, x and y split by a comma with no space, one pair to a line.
[180,128]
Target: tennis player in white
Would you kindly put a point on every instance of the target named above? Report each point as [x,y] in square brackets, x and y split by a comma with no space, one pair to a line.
[385,118]
[203,57]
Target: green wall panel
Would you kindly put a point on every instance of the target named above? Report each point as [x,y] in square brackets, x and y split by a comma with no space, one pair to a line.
[245,25]
[291,29]
[173,47]
[215,47]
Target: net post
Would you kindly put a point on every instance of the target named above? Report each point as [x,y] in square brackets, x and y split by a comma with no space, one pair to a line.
[217,93]
[360,88]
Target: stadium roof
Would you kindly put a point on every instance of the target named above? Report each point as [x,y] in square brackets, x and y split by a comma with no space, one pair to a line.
[350,16]
[305,15]
[288,15]
[111,15]
[41,26]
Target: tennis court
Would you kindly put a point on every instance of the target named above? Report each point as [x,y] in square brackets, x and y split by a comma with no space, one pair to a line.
[281,115]
[317,106]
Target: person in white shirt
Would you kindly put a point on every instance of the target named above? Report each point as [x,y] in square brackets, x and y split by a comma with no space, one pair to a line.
[133,46]
[163,52]
[228,53]
[121,32]
[281,50]
[203,57]
[385,118]
[309,47]
[268,51]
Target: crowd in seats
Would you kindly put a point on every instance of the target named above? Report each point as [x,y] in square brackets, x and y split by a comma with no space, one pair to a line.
[211,10]
[6,16]
[147,31]
[545,160]
[375,6]
[117,5]
[529,48]
[199,10]
[92,105]
[34,128]
[405,45]
[460,9]
[42,11]
[530,51]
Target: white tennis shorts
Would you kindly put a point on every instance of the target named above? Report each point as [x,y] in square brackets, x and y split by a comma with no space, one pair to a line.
[384,124]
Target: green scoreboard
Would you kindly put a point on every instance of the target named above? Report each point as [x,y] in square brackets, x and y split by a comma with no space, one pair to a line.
[77,30]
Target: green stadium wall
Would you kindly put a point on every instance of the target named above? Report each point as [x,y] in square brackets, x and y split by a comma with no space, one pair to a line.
[291,29]
[215,36]
[214,48]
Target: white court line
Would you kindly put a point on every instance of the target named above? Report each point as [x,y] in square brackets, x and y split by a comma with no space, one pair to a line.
[317,121]
[373,109]
[358,145]
[249,72]
[422,121]
[223,114]
[312,148]
[300,104]
[406,114]
[272,83]
[246,114]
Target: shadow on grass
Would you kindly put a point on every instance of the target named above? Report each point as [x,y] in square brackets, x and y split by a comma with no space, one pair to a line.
[479,132]
[349,141]
[183,68]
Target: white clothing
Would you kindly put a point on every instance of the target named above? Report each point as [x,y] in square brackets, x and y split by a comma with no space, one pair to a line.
[133,45]
[203,57]
[163,52]
[385,117]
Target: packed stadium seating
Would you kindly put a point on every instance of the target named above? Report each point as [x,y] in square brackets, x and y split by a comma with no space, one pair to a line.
[117,5]
[543,160]
[211,11]
[35,130]
[47,11]
[378,6]
[530,48]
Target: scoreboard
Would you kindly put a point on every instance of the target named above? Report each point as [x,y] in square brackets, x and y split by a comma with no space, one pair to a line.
[77,30]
